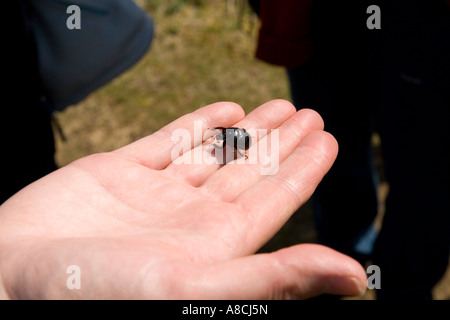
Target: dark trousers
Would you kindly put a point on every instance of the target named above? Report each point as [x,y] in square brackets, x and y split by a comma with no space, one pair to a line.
[395,81]
[26,136]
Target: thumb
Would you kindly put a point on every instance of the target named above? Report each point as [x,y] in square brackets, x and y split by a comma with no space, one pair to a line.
[298,272]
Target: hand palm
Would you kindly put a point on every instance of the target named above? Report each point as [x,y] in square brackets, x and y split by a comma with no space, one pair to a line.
[139,226]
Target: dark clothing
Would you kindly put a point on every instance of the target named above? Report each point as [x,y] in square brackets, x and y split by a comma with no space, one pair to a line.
[395,81]
[42,52]
[25,130]
[284,38]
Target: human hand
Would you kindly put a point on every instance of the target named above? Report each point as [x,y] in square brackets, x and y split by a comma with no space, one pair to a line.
[139,226]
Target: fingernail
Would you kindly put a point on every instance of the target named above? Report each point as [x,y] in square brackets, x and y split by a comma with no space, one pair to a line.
[346,286]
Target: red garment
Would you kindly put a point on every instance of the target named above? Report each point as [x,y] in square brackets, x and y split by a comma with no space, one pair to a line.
[284,35]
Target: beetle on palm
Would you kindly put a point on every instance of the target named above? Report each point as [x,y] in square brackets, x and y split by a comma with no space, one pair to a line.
[238,139]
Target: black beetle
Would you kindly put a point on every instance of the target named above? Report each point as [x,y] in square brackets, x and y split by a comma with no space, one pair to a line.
[236,138]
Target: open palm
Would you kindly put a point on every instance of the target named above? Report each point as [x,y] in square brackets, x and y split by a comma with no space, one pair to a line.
[138,225]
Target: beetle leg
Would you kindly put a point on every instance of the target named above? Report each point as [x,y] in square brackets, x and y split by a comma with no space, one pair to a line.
[220,146]
[242,155]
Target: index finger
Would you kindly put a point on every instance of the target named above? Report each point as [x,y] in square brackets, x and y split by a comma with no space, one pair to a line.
[154,151]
